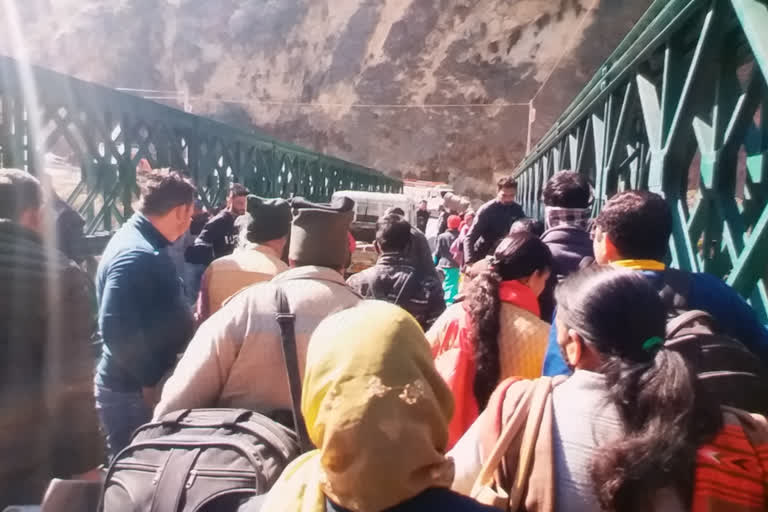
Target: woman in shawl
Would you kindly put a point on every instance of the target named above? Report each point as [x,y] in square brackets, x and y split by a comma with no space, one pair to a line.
[631,430]
[378,412]
[496,331]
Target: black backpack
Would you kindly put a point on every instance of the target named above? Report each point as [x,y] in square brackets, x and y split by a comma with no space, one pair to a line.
[727,369]
[208,460]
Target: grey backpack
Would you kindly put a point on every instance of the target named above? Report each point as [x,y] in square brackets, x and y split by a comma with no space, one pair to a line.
[208,460]
[726,369]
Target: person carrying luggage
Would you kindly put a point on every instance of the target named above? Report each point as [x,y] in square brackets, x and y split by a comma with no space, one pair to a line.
[633,429]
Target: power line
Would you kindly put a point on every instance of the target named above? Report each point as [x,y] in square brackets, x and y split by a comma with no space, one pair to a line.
[160,94]
[355,105]
[164,94]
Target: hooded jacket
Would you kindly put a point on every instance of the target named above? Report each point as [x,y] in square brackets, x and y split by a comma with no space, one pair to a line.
[569,246]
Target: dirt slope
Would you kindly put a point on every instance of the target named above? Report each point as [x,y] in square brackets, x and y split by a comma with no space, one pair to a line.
[294,67]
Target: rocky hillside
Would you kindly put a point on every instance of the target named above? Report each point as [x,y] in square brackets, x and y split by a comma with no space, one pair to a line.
[334,75]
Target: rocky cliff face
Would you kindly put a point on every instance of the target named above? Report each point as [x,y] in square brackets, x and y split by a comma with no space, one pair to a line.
[334,75]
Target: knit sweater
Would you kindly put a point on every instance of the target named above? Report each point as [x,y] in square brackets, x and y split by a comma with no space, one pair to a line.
[583,421]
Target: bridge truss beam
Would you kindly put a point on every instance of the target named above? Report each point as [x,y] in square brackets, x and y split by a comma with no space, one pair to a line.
[102,135]
[680,109]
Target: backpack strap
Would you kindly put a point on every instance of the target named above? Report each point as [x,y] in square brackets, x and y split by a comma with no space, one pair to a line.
[677,286]
[172,478]
[684,319]
[287,322]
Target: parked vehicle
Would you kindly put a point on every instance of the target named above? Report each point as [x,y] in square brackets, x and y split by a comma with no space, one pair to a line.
[369,206]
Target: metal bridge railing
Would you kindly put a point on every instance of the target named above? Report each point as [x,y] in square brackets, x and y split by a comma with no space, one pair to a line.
[91,138]
[679,108]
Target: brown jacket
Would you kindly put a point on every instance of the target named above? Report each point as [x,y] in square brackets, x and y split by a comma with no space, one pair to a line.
[235,359]
[251,264]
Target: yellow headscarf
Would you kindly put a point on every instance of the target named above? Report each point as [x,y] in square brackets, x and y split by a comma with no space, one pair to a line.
[378,411]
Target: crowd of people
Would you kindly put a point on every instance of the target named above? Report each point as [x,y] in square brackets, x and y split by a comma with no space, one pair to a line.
[519,365]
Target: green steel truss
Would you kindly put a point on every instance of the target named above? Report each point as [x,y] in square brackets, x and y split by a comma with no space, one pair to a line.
[102,135]
[679,108]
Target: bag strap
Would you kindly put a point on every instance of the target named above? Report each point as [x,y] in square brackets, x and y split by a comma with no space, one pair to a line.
[508,434]
[680,321]
[172,479]
[287,322]
[533,401]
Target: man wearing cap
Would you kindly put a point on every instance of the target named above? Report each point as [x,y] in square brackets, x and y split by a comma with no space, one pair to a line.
[264,230]
[445,260]
[235,359]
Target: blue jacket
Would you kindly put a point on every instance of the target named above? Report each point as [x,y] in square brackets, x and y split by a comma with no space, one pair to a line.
[143,316]
[707,293]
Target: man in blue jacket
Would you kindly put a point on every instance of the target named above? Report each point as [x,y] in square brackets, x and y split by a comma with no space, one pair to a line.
[144,317]
[632,231]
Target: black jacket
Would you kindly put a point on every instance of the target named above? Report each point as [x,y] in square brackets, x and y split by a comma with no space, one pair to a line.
[50,427]
[220,234]
[492,223]
[393,279]
[569,246]
[422,219]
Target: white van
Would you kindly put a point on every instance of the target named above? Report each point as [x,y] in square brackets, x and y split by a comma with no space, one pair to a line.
[369,206]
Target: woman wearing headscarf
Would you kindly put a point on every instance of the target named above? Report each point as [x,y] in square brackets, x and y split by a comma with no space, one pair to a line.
[496,331]
[378,412]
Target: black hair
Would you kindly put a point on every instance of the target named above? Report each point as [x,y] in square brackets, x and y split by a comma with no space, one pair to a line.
[395,210]
[393,233]
[238,190]
[665,413]
[638,223]
[506,182]
[527,225]
[19,192]
[518,255]
[567,189]
[162,191]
